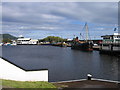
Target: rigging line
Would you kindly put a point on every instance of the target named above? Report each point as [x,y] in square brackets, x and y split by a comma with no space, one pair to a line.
[81,33]
[88,32]
[82,36]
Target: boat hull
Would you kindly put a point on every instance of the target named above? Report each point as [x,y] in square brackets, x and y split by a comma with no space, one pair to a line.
[83,46]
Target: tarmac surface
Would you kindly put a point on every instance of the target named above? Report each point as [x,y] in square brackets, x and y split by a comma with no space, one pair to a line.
[95,84]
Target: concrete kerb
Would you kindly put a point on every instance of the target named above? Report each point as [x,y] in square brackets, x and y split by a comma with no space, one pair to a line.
[94,79]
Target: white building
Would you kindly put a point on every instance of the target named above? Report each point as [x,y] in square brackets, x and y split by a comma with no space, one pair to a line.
[26,41]
[23,40]
[33,41]
[115,38]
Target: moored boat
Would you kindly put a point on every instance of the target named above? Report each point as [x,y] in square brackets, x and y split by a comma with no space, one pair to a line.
[85,45]
[60,44]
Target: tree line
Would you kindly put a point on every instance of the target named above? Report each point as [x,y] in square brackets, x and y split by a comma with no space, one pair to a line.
[52,39]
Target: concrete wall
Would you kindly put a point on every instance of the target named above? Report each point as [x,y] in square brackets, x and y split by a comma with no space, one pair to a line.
[12,72]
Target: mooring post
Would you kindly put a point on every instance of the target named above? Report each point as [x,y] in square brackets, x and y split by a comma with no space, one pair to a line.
[89,76]
[101,45]
[111,47]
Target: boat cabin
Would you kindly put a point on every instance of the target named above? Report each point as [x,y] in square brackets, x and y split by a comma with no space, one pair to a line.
[26,41]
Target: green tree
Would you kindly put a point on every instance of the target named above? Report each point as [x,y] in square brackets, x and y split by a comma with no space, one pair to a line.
[6,41]
[53,39]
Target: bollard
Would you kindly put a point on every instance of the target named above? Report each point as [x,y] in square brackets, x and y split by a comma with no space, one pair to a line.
[89,76]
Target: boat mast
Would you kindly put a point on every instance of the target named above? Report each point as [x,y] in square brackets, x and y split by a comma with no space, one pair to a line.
[86,28]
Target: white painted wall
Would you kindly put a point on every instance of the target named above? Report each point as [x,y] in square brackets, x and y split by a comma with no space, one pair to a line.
[32,42]
[11,72]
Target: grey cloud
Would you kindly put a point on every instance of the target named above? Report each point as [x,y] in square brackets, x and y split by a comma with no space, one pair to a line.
[58,16]
[33,12]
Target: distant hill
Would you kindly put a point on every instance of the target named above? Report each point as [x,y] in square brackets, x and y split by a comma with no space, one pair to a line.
[8,36]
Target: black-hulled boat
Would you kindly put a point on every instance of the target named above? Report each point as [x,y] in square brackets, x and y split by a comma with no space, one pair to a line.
[85,45]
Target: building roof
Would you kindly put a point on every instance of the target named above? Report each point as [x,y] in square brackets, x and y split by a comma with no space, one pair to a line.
[24,39]
[115,34]
[107,36]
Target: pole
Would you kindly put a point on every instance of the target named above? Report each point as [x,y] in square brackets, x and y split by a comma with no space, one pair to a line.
[86,27]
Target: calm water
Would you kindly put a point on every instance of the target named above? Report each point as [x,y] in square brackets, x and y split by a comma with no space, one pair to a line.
[63,63]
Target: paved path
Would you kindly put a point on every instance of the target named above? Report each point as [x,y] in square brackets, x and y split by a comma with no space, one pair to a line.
[87,84]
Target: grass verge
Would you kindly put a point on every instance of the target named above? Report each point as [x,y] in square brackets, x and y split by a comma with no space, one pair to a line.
[26,84]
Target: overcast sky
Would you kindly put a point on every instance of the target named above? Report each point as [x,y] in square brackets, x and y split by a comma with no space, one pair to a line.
[42,19]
